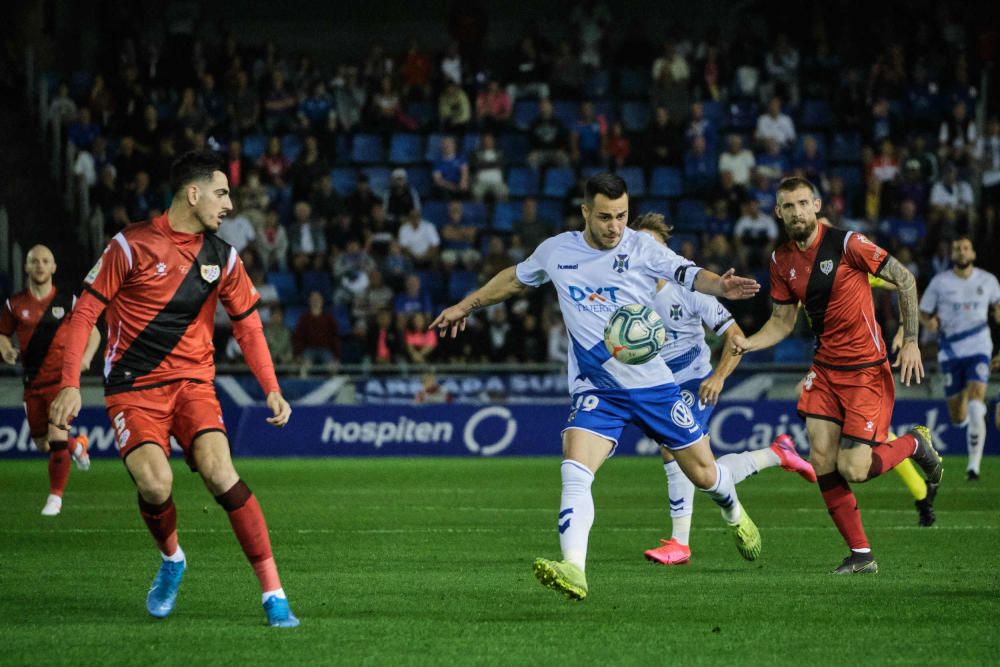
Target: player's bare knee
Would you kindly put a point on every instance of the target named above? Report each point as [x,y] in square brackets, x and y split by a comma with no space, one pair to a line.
[155,486]
[852,472]
[702,475]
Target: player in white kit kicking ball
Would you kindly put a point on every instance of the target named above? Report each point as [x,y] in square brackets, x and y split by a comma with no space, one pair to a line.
[956,306]
[594,273]
[689,358]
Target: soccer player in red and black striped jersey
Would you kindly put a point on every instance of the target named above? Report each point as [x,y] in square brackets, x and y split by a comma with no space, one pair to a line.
[37,317]
[849,392]
[158,283]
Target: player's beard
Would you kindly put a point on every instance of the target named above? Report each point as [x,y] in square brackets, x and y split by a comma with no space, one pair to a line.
[801,235]
[963,265]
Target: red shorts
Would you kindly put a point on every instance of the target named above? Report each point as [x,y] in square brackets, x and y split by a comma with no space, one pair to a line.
[182,409]
[36,406]
[859,400]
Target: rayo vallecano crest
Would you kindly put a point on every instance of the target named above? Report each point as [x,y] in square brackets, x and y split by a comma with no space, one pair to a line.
[210,272]
[826,266]
[58,312]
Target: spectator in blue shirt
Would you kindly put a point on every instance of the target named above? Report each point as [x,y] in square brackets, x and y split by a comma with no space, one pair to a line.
[699,168]
[763,190]
[586,141]
[906,230]
[451,171]
[412,299]
[809,161]
[83,130]
[314,112]
[772,161]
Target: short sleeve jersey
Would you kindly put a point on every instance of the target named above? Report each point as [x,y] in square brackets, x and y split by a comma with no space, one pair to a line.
[963,308]
[41,336]
[685,315]
[161,288]
[830,278]
[591,285]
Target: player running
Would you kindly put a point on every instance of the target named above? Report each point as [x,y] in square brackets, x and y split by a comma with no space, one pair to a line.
[956,306]
[160,282]
[849,392]
[595,272]
[36,316]
[687,355]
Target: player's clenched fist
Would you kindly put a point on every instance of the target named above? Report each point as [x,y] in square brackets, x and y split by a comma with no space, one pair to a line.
[740,344]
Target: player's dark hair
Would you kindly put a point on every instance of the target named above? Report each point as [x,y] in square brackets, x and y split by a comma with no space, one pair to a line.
[609,185]
[793,183]
[653,222]
[193,166]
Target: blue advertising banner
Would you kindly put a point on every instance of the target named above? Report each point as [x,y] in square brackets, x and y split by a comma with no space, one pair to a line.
[482,430]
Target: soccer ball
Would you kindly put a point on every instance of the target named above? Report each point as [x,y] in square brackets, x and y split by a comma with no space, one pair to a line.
[634,334]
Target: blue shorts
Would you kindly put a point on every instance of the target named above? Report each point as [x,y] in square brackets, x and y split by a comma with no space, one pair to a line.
[701,412]
[958,373]
[659,412]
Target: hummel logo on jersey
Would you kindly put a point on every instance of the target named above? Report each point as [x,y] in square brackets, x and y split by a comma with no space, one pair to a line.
[568,267]
[161,269]
[791,274]
[599,294]
[826,266]
[621,263]
[869,425]
[675,312]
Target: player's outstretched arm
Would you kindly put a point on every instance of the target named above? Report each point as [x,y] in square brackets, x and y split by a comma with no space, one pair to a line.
[909,363]
[775,330]
[501,287]
[728,361]
[728,285]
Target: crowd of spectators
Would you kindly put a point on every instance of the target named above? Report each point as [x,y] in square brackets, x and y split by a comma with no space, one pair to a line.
[369,194]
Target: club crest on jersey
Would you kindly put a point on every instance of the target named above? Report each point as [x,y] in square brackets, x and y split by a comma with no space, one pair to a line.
[210,272]
[675,312]
[826,266]
[58,312]
[621,263]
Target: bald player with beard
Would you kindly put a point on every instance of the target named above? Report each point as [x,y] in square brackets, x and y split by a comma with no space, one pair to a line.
[36,317]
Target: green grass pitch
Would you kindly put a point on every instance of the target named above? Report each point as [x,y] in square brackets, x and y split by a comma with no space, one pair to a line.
[428,561]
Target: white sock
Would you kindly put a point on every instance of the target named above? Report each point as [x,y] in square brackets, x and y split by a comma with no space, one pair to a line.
[862,550]
[53,498]
[267,595]
[723,492]
[975,434]
[576,512]
[744,464]
[177,557]
[680,492]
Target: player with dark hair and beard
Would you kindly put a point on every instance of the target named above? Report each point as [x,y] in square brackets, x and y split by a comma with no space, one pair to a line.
[849,392]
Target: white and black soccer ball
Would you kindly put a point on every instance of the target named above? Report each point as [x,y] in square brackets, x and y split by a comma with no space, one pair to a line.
[634,334]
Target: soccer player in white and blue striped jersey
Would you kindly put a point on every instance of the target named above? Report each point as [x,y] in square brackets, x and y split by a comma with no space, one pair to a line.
[686,314]
[956,305]
[594,272]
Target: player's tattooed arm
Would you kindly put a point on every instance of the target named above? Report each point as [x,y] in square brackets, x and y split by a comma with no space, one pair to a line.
[501,287]
[906,284]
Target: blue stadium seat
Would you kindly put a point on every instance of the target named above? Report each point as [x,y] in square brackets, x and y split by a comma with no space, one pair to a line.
[432,284]
[820,143]
[691,215]
[846,147]
[435,211]
[475,213]
[792,350]
[425,113]
[284,284]
[470,142]
[635,116]
[635,178]
[253,146]
[853,178]
[525,112]
[378,178]
[366,149]
[406,148]
[607,109]
[342,148]
[291,146]
[666,182]
[743,114]
[816,114]
[523,182]
[515,147]
[566,112]
[505,214]
[714,112]
[293,314]
[318,281]
[587,172]
[558,181]
[551,210]
[597,85]
[433,151]
[420,178]
[460,284]
[342,314]
[660,206]
[678,239]
[634,84]
[344,180]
